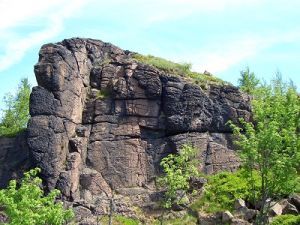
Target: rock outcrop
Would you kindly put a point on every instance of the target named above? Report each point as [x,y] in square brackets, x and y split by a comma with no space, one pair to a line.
[101,122]
[15,158]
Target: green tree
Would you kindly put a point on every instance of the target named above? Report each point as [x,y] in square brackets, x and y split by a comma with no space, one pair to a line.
[26,204]
[248,81]
[178,171]
[271,144]
[16,113]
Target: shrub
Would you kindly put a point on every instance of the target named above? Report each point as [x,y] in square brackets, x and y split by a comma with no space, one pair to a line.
[26,204]
[223,189]
[286,220]
[178,170]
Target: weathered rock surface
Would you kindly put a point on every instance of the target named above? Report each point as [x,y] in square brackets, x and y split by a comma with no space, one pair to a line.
[15,158]
[101,122]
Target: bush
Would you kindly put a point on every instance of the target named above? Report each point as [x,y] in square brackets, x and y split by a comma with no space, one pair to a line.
[286,220]
[178,170]
[26,204]
[223,189]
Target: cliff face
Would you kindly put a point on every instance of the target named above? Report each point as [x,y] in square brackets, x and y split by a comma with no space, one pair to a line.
[101,121]
[15,158]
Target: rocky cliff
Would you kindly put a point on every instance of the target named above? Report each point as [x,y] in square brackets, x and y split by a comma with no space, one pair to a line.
[102,121]
[15,158]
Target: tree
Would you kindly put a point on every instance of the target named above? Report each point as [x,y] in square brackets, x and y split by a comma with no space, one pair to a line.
[26,204]
[271,144]
[248,81]
[16,113]
[178,169]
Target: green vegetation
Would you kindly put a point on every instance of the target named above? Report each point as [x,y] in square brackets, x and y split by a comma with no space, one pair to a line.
[223,189]
[286,220]
[26,204]
[185,220]
[271,144]
[248,81]
[122,220]
[102,94]
[178,170]
[179,69]
[16,113]
[118,220]
[270,152]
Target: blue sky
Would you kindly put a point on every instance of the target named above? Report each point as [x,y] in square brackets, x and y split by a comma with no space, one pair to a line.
[220,36]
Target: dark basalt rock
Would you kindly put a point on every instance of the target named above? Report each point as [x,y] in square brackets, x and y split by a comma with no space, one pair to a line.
[97,109]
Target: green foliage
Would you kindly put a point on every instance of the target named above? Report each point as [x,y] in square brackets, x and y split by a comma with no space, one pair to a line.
[102,94]
[187,219]
[16,113]
[122,220]
[180,69]
[248,81]
[272,145]
[119,220]
[223,189]
[26,204]
[286,220]
[178,170]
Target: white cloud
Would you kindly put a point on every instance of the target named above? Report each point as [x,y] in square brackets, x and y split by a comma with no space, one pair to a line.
[176,9]
[15,14]
[155,11]
[218,57]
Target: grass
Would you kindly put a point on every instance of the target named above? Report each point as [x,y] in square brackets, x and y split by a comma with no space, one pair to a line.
[119,220]
[185,220]
[179,69]
[122,220]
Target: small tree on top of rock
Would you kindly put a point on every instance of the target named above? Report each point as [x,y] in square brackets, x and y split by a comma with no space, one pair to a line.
[248,81]
[178,169]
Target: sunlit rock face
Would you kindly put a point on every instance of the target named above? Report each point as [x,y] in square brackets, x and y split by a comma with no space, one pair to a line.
[101,122]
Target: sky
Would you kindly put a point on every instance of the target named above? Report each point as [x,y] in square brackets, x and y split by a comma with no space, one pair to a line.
[220,36]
